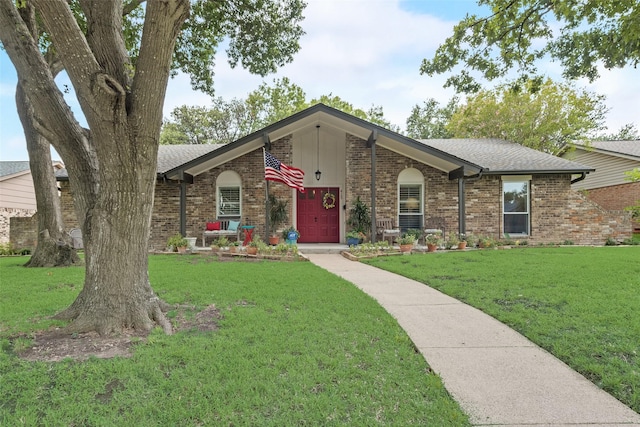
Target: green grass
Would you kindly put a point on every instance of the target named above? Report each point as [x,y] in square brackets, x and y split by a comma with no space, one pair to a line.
[581,304]
[296,346]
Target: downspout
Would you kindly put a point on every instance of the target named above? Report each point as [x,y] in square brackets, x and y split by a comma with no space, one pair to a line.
[183,208]
[462,226]
[582,176]
[371,142]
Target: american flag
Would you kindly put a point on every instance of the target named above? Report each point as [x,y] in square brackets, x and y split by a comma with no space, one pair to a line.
[275,170]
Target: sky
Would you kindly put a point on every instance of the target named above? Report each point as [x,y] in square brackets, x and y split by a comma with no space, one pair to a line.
[367,52]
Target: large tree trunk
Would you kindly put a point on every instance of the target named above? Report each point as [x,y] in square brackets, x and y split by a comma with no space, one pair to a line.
[112,167]
[54,245]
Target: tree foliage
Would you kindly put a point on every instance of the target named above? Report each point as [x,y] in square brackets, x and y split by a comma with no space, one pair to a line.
[581,35]
[548,119]
[430,121]
[226,121]
[628,132]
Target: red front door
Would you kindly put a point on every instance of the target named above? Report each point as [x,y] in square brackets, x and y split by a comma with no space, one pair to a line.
[318,215]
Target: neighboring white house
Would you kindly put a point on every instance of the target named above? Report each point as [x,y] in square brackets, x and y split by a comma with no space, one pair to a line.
[17,194]
[608,185]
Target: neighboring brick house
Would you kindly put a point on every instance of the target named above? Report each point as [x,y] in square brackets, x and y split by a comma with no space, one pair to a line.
[608,185]
[17,194]
[484,187]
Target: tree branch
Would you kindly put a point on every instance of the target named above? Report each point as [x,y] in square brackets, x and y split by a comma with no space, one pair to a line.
[34,74]
[162,25]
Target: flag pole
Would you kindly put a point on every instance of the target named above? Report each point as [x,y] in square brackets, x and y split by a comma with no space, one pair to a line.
[266,200]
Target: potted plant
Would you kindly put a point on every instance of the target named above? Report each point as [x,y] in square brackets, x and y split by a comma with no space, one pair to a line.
[221,242]
[359,217]
[278,214]
[433,241]
[462,241]
[177,242]
[254,244]
[233,247]
[406,242]
[291,235]
[452,241]
[355,237]
[415,232]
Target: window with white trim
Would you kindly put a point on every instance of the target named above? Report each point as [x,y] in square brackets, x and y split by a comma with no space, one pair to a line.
[515,205]
[229,195]
[410,199]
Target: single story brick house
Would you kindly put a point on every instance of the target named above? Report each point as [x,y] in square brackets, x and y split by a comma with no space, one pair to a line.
[484,187]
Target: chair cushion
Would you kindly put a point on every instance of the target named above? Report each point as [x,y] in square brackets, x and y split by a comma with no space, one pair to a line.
[213,226]
[233,225]
[391,231]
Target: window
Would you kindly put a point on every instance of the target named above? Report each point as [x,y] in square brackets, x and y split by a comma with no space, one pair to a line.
[410,201]
[229,197]
[229,201]
[515,205]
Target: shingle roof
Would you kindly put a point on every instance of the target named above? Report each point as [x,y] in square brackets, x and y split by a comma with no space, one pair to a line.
[169,156]
[629,148]
[9,168]
[172,156]
[499,156]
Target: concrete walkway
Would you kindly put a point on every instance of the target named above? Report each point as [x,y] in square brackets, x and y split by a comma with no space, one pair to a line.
[497,376]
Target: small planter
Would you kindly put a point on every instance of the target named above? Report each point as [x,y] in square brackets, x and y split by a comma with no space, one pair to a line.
[274,240]
[406,248]
[432,247]
[192,242]
[462,245]
[352,241]
[252,250]
[233,249]
[182,249]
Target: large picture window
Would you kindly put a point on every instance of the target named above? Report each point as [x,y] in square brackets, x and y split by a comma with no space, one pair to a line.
[410,199]
[515,205]
[229,195]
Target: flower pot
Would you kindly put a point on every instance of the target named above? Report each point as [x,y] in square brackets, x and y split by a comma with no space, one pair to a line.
[291,242]
[233,249]
[406,248]
[182,249]
[352,241]
[252,250]
[462,245]
[274,240]
[432,247]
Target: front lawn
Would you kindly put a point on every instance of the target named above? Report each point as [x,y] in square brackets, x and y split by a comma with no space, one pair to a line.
[295,346]
[580,303]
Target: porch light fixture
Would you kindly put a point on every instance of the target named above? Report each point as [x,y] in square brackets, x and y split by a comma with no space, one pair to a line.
[318,173]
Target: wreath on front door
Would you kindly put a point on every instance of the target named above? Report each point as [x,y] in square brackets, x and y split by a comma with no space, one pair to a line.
[329,200]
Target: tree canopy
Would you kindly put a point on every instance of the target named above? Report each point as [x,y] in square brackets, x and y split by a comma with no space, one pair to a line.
[518,34]
[547,119]
[226,121]
[431,120]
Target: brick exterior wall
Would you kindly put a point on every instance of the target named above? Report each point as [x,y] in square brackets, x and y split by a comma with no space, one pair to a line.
[557,212]
[617,197]
[6,215]
[23,233]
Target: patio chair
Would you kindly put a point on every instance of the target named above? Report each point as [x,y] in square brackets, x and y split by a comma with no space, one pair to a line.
[386,229]
[435,225]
